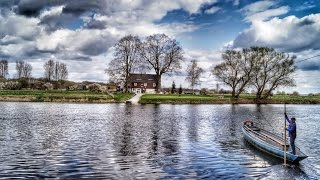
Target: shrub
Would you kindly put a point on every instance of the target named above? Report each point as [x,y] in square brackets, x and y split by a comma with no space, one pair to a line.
[95,87]
[48,86]
[11,85]
[295,93]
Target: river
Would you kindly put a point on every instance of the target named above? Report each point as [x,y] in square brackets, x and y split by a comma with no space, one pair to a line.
[118,141]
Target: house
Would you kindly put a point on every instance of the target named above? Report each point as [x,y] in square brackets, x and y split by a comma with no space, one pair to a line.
[142,83]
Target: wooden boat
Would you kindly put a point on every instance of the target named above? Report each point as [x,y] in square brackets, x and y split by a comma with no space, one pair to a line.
[270,142]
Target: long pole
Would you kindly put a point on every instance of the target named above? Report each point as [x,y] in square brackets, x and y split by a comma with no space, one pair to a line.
[285,136]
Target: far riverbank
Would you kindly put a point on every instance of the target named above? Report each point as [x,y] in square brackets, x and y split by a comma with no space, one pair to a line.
[62,96]
[99,97]
[226,99]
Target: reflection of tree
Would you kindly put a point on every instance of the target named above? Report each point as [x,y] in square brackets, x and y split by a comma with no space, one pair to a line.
[232,123]
[229,141]
[127,145]
[169,142]
[193,124]
[155,131]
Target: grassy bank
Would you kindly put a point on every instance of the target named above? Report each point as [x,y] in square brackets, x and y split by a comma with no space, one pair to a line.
[61,96]
[226,99]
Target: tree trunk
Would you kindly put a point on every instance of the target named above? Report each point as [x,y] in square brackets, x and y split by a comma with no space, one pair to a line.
[233,92]
[158,83]
[258,95]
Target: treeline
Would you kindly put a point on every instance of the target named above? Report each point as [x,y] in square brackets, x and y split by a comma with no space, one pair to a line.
[55,76]
[53,70]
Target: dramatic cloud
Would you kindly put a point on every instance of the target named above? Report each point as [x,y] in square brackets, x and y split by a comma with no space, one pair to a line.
[82,32]
[290,34]
[78,29]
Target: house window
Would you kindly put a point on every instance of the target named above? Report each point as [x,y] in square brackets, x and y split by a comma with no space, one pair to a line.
[145,84]
[134,84]
[154,84]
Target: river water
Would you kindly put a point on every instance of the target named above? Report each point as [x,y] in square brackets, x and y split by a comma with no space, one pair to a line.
[118,141]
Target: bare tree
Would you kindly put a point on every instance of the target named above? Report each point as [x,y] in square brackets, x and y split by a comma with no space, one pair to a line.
[260,67]
[126,60]
[60,71]
[4,69]
[56,71]
[163,54]
[63,71]
[193,74]
[27,70]
[24,69]
[232,71]
[19,68]
[49,68]
[272,69]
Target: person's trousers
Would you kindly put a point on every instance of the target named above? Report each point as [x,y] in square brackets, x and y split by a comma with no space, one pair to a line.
[293,146]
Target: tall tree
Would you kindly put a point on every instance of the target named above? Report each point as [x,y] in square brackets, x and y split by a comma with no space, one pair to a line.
[60,71]
[163,54]
[49,68]
[180,89]
[193,74]
[23,69]
[63,73]
[259,67]
[4,69]
[173,88]
[272,69]
[126,60]
[235,70]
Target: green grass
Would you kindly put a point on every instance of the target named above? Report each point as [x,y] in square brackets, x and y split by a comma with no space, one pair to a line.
[63,96]
[226,99]
[160,98]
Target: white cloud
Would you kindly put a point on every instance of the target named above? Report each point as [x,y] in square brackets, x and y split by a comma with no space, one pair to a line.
[45,31]
[212,10]
[287,34]
[263,10]
[265,15]
[258,7]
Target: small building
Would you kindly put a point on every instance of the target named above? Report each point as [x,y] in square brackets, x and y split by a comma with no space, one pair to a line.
[142,83]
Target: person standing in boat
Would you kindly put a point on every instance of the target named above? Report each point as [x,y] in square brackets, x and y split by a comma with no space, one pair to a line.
[292,132]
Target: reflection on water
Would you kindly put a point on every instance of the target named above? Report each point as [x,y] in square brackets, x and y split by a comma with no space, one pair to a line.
[117,141]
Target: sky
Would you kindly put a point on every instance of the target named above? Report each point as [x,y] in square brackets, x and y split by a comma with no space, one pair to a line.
[82,33]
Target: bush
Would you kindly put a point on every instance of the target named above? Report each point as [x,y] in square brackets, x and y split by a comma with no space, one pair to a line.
[295,93]
[38,85]
[203,91]
[95,87]
[48,86]
[10,85]
[24,82]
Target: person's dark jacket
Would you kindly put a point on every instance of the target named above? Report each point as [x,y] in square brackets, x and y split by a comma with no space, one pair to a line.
[292,128]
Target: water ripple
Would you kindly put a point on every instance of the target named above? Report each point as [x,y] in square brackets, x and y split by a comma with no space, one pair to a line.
[116,141]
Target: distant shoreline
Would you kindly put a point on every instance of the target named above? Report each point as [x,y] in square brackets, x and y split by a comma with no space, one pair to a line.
[226,99]
[62,96]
